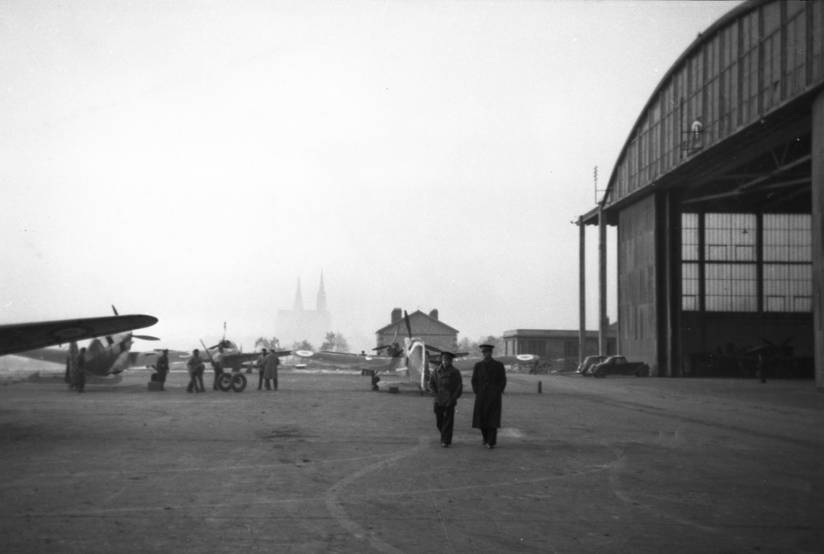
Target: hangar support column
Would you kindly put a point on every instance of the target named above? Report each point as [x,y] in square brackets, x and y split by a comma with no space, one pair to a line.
[818,236]
[582,292]
[602,281]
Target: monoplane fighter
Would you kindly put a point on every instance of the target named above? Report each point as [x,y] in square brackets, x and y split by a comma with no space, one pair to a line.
[401,367]
[105,358]
[232,359]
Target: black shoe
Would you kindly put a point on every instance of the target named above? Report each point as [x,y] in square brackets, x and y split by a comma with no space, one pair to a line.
[444,445]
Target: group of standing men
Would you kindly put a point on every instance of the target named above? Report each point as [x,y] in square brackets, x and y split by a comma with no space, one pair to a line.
[488,384]
[267,365]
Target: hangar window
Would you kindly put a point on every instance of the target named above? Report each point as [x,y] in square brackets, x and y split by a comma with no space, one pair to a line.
[721,254]
[730,254]
[730,288]
[788,283]
[689,287]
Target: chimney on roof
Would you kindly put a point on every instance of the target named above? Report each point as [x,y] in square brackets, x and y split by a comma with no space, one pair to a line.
[434,314]
[397,315]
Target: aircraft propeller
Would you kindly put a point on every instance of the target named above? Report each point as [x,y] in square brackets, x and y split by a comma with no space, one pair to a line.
[408,325]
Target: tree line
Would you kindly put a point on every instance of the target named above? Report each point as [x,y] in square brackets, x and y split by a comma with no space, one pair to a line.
[336,342]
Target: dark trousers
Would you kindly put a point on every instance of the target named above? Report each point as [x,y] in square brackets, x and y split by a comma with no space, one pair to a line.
[80,380]
[445,420]
[196,382]
[490,435]
[272,383]
[260,379]
[218,373]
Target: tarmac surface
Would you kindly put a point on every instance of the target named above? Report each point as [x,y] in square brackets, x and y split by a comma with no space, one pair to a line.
[621,464]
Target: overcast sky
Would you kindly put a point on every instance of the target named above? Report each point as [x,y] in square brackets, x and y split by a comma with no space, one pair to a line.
[193,160]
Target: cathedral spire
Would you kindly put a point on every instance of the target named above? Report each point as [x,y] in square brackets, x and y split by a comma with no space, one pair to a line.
[298,306]
[321,304]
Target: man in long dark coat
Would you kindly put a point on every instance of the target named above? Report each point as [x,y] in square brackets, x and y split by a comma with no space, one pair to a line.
[446,384]
[162,365]
[488,384]
[80,373]
[270,370]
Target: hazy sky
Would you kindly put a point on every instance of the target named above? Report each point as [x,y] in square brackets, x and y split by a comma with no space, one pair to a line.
[193,160]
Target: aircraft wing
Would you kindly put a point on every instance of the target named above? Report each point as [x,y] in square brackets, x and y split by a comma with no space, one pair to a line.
[55,355]
[19,337]
[344,359]
[58,355]
[468,364]
[240,357]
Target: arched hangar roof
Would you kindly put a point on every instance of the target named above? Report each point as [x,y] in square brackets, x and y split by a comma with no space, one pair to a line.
[750,75]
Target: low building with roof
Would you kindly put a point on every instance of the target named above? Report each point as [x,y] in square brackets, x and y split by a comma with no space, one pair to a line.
[557,346]
[427,327]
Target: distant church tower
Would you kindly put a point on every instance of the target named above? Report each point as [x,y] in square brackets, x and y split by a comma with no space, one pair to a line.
[321,304]
[299,324]
[298,305]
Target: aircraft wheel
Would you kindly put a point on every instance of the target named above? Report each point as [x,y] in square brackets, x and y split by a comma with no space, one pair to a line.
[238,382]
[224,383]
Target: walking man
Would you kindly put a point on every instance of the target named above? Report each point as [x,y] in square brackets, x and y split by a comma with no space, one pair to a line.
[447,386]
[488,384]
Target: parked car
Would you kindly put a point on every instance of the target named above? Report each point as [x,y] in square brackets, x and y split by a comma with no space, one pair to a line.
[589,362]
[619,365]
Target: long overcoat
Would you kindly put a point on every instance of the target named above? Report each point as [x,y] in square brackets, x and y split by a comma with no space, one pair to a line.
[488,384]
[270,366]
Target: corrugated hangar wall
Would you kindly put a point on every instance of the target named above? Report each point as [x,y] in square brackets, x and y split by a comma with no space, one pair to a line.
[637,293]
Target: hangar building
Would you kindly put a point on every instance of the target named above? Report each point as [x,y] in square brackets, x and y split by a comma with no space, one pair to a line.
[717,197]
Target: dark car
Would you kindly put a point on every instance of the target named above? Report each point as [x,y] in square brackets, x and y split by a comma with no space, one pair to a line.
[589,362]
[619,365]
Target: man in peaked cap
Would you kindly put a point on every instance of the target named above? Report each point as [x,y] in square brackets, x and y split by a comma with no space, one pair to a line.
[488,384]
[447,386]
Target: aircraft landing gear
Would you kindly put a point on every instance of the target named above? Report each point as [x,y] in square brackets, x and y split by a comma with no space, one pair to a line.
[232,381]
[224,382]
[238,382]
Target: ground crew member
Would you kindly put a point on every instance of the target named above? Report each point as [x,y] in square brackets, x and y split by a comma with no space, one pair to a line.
[217,366]
[162,366]
[80,370]
[447,386]
[270,370]
[71,360]
[196,369]
[259,363]
[488,384]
